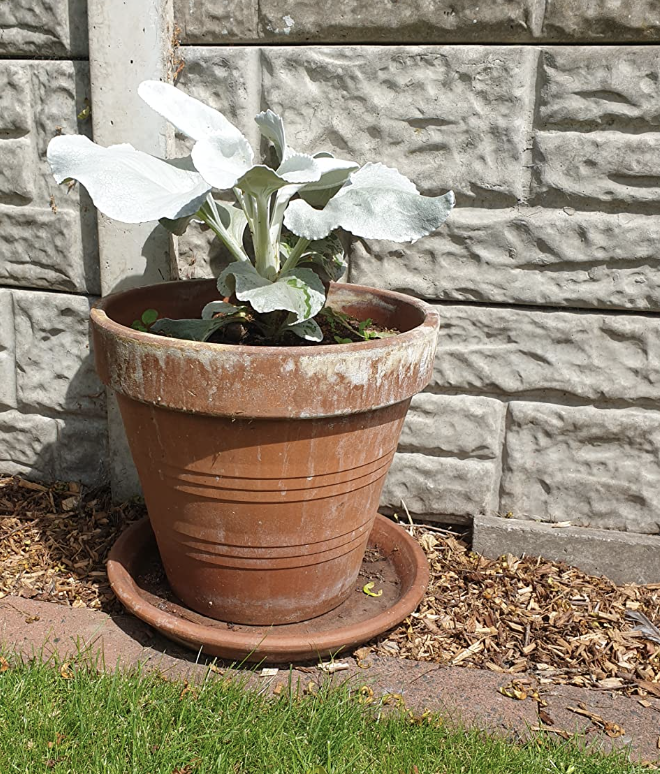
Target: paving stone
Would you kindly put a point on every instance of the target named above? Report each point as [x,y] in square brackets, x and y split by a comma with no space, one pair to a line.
[468,696]
[594,87]
[43,27]
[444,489]
[451,117]
[217,21]
[573,168]
[453,426]
[55,371]
[561,356]
[591,467]
[7,352]
[639,723]
[532,256]
[417,21]
[602,20]
[27,445]
[594,551]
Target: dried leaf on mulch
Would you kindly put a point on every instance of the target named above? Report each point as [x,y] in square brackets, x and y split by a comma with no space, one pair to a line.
[529,615]
[54,542]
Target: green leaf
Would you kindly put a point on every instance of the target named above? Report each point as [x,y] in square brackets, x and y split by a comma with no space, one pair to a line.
[377,202]
[191,330]
[233,219]
[220,307]
[272,128]
[149,316]
[177,226]
[308,329]
[299,291]
[341,340]
[329,255]
[137,326]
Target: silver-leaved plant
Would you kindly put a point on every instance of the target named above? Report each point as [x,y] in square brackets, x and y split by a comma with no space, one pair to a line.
[283,284]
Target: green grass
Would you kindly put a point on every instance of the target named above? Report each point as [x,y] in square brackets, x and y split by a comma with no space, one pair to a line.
[86,722]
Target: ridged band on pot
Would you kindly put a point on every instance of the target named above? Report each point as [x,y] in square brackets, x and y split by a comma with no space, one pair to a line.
[230,380]
[262,467]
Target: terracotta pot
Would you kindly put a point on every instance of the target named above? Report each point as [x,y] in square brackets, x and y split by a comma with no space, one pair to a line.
[262,467]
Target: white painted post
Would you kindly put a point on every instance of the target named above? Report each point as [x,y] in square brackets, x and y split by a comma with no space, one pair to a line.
[129,41]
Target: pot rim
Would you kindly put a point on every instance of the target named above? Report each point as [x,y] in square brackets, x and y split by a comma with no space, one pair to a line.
[268,382]
[100,317]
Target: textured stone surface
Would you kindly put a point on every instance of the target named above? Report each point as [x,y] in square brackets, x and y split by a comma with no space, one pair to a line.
[216,21]
[55,371]
[27,445]
[17,171]
[576,168]
[418,21]
[7,352]
[81,453]
[538,256]
[560,356]
[591,467]
[602,20]
[453,426]
[594,551]
[40,248]
[15,99]
[451,117]
[594,87]
[47,232]
[441,488]
[43,27]
[64,448]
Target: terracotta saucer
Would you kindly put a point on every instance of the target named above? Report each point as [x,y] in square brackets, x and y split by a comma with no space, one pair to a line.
[394,562]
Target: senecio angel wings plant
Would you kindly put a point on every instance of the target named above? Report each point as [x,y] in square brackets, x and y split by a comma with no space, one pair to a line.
[278,280]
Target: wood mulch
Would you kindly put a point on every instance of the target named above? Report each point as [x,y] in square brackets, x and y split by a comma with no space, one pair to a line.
[507,615]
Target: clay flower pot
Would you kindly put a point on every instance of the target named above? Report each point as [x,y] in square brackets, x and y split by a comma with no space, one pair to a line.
[262,467]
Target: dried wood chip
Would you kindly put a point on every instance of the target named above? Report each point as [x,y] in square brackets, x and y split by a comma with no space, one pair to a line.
[334,666]
[510,615]
[52,554]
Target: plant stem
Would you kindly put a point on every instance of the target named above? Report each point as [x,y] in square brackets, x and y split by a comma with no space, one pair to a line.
[265,260]
[294,255]
[209,214]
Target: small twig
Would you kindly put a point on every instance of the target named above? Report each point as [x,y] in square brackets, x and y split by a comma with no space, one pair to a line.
[441,530]
[20,529]
[412,523]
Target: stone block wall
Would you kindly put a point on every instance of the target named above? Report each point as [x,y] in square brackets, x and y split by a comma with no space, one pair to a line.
[52,407]
[542,115]
[544,119]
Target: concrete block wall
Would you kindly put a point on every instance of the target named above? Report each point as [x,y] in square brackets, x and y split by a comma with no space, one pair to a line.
[52,408]
[543,117]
